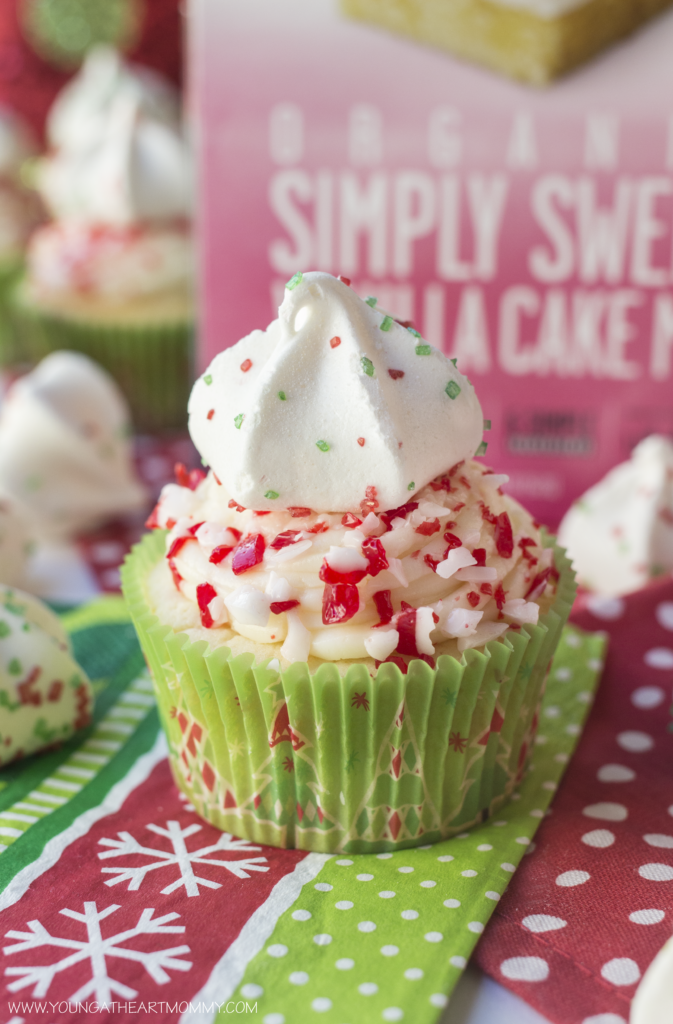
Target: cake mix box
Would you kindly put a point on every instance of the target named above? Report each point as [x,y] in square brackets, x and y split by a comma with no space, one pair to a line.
[526,232]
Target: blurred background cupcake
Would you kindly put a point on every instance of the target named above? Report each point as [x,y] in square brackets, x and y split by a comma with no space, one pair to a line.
[19,214]
[111,274]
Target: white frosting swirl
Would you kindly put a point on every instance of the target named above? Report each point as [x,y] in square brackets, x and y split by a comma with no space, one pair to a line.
[333,404]
[619,534]
[119,151]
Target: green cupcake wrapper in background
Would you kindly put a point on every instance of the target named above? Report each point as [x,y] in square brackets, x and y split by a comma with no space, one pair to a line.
[10,348]
[352,764]
[152,364]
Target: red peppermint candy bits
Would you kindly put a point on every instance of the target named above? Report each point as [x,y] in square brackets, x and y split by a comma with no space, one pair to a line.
[480,555]
[487,589]
[191,479]
[249,553]
[350,521]
[394,659]
[384,606]
[177,578]
[375,553]
[205,592]
[335,341]
[234,504]
[396,374]
[345,280]
[152,523]
[406,627]
[246,365]
[277,607]
[401,512]
[504,537]
[211,413]
[329,575]
[318,528]
[500,596]
[539,582]
[443,484]
[340,602]
[299,512]
[371,503]
[219,553]
[428,528]
[452,540]
[284,539]
[361,441]
[473,598]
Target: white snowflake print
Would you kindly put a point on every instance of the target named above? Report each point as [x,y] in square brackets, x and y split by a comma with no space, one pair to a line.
[179,856]
[96,950]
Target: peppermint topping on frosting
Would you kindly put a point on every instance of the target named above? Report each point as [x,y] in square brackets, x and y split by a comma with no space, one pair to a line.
[362,419]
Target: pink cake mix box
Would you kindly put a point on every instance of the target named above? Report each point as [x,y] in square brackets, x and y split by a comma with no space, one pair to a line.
[528,233]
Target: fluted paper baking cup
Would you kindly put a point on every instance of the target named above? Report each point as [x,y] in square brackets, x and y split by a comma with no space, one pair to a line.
[345,763]
[151,363]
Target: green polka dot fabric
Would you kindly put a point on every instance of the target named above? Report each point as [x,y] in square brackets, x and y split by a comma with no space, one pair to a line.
[385,936]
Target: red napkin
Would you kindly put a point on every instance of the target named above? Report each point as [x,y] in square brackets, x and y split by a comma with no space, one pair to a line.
[591,906]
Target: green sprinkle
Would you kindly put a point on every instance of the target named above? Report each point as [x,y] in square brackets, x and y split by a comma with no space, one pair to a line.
[487,424]
[387,323]
[423,350]
[322,445]
[294,281]
[238,420]
[282,396]
[411,486]
[481,450]
[452,389]
[204,463]
[367,366]
[415,333]
[208,379]
[271,495]
[454,361]
[4,629]
[371,301]
[14,667]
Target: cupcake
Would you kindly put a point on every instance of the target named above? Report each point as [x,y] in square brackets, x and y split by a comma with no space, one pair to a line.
[348,621]
[65,452]
[111,274]
[19,214]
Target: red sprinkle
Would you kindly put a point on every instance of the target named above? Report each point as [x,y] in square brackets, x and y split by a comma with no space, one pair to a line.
[246,365]
[217,480]
[191,479]
[504,538]
[340,602]
[432,562]
[234,504]
[361,441]
[406,627]
[486,588]
[284,538]
[487,515]
[299,512]
[177,578]
[539,581]
[465,482]
[401,512]
[350,521]
[211,413]
[177,546]
[428,528]
[396,374]
[205,592]
[526,542]
[443,484]
[263,512]
[480,555]
[454,469]
[473,598]
[249,553]
[345,280]
[318,528]
[452,540]
[219,553]
[282,606]
[375,553]
[329,575]
[153,522]
[384,606]
[500,596]
[335,341]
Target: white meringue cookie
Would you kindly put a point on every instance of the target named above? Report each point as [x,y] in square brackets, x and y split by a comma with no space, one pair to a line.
[619,534]
[64,447]
[333,399]
[120,155]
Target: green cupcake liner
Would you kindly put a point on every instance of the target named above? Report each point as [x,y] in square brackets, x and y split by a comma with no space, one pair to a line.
[10,348]
[153,364]
[331,763]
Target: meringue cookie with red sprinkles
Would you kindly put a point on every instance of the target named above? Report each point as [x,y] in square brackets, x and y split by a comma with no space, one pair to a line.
[334,397]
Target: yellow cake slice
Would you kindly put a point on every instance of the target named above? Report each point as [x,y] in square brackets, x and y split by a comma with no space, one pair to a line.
[533,40]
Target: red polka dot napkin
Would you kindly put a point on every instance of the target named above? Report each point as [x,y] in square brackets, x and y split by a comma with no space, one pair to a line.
[592,904]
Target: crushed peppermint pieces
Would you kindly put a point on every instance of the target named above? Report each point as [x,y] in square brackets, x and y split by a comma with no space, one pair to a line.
[504,537]
[238,420]
[322,445]
[211,413]
[335,341]
[205,592]
[350,521]
[384,606]
[386,323]
[299,511]
[285,538]
[452,389]
[278,607]
[246,365]
[248,553]
[340,602]
[294,281]
[396,374]
[361,441]
[345,280]
[367,366]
